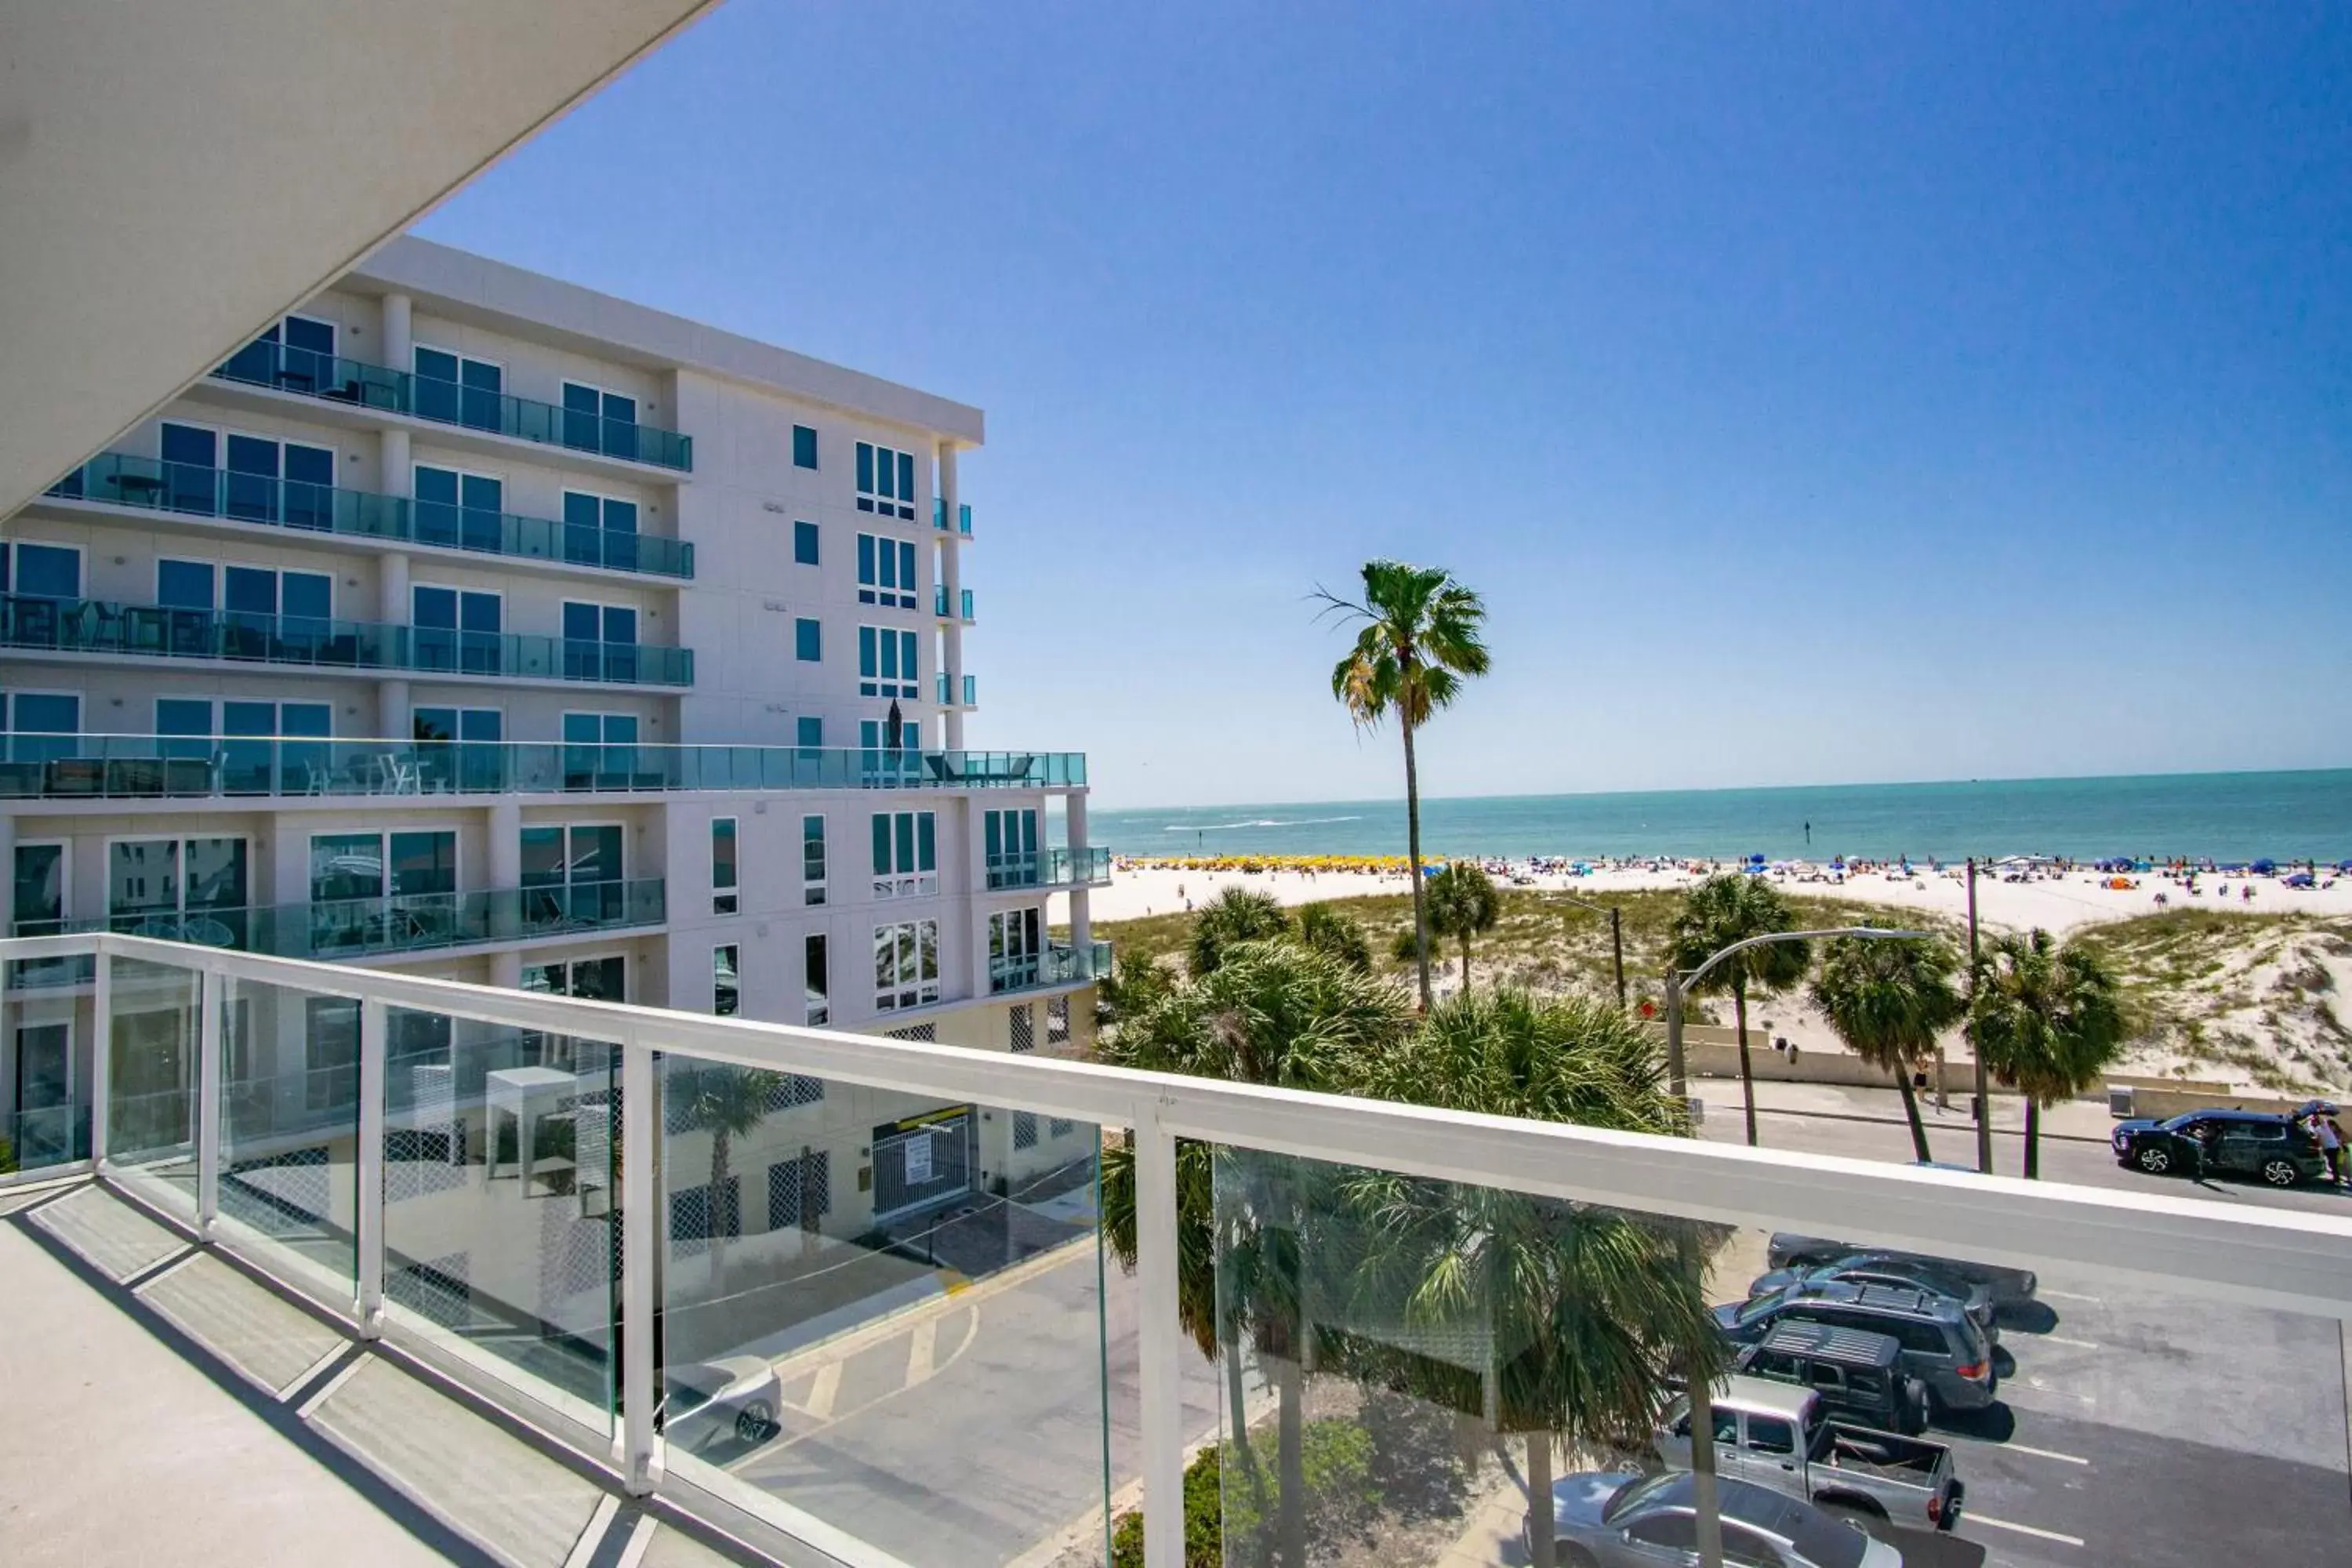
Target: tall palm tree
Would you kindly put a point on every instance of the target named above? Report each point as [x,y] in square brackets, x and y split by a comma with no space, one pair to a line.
[2047,1023]
[728,1103]
[1583,1313]
[1888,1001]
[1235,915]
[1464,902]
[1270,1012]
[1417,634]
[1728,908]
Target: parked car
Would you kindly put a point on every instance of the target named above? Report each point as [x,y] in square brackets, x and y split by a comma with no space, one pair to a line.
[1894,1268]
[1614,1519]
[2259,1145]
[1782,1437]
[1857,1374]
[709,1401]
[1942,1345]
[2009,1286]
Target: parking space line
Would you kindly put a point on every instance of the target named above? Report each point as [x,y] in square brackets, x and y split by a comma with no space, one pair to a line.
[823,1389]
[1972,1517]
[2037,1453]
[920,1347]
[2071,1295]
[2062,1340]
[2040,1387]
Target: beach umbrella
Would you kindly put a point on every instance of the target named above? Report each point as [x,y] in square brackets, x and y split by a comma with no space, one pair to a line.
[2300,879]
[2264,867]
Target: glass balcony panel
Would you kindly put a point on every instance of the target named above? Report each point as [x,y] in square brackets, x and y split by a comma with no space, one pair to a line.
[501,1230]
[150,1109]
[885,1313]
[289,1130]
[45,1104]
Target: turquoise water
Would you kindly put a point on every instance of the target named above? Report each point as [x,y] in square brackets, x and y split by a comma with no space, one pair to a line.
[2222,816]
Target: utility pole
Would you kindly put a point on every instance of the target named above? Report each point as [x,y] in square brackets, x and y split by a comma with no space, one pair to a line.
[1616,938]
[1984,1093]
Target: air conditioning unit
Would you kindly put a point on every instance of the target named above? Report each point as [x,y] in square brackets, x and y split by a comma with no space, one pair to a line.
[2122,1100]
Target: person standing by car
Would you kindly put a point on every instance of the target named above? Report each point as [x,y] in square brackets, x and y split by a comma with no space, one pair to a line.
[2330,1133]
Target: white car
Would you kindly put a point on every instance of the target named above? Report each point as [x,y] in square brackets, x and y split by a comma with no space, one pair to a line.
[1616,1519]
[709,1401]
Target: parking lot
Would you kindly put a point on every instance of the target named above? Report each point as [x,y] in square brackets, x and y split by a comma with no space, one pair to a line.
[2135,1425]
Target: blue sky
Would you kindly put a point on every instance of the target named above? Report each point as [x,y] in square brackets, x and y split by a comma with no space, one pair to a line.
[1815,394]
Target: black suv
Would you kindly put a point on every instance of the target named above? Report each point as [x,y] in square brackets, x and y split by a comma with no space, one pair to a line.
[1857,1376]
[1942,1345]
[2259,1145]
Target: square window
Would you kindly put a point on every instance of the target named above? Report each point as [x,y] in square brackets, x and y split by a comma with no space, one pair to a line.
[804,543]
[808,730]
[803,447]
[808,641]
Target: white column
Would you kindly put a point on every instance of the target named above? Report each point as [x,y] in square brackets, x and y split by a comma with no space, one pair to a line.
[369,1216]
[975,913]
[951,577]
[640,1127]
[101,1054]
[392,608]
[1160,1360]
[506,871]
[1082,924]
[209,990]
[396,341]
[399,474]
[391,709]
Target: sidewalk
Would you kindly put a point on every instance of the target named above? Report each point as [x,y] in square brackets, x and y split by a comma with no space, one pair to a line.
[2074,1119]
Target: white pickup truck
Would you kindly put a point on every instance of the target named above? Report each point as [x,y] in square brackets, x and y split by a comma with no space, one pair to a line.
[1774,1435]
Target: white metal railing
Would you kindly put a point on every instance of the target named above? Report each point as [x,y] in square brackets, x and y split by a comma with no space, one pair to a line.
[2285,1259]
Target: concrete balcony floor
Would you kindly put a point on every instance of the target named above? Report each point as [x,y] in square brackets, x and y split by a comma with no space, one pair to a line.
[168,1404]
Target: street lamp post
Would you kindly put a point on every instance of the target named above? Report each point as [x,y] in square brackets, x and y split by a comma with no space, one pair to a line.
[1703,1488]
[1616,938]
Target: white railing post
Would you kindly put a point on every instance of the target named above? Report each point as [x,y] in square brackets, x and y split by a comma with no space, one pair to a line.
[210,987]
[369,1174]
[1160,1348]
[101,1052]
[640,1232]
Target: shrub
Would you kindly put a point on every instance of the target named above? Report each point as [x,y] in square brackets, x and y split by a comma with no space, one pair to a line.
[1337,1456]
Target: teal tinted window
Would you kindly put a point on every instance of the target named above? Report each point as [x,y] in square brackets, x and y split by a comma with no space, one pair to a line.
[804,543]
[808,642]
[803,447]
[809,731]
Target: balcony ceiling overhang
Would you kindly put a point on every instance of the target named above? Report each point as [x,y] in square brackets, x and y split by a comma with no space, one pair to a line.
[176,173]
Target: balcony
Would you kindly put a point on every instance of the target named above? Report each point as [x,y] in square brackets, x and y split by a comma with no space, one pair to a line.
[205,767]
[1059,964]
[281,368]
[939,603]
[502,1187]
[162,631]
[116,478]
[939,517]
[1050,868]
[948,693]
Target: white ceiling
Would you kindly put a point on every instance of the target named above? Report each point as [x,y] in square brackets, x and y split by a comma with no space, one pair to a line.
[176,173]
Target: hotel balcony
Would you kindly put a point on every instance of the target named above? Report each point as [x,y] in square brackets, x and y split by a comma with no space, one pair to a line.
[218,495]
[209,767]
[939,517]
[1059,964]
[1052,868]
[75,628]
[353,384]
[955,691]
[466,1273]
[939,604]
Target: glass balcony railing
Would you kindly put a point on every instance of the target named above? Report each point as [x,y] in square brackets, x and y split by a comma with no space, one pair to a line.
[1401,1308]
[164,631]
[939,603]
[952,695]
[940,515]
[313,374]
[1052,866]
[147,767]
[340,929]
[120,479]
[1059,964]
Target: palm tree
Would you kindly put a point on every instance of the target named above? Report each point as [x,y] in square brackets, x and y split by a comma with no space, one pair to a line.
[728,1103]
[1235,915]
[2047,1023]
[1464,902]
[1417,634]
[1888,1001]
[1271,1012]
[1583,1312]
[1732,907]
[1323,927]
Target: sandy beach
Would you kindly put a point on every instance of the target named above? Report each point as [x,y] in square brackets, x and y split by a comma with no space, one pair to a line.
[2055,902]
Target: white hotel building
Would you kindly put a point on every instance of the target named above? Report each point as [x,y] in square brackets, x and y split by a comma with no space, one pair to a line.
[475,625]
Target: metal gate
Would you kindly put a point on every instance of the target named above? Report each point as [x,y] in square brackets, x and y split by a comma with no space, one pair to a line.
[922,1160]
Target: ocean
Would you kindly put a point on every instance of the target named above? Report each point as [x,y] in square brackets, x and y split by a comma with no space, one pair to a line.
[2220,816]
